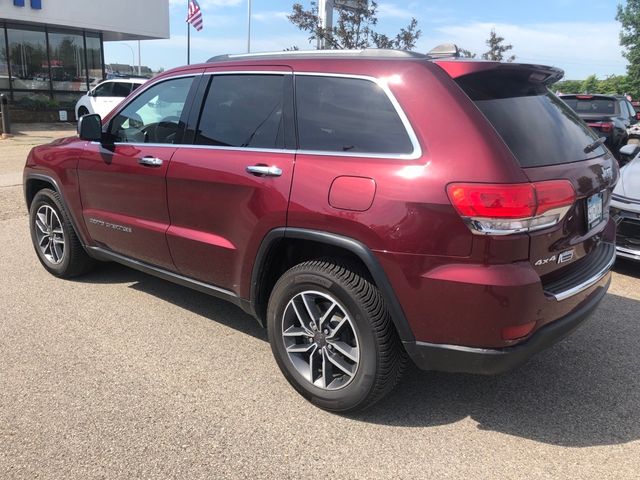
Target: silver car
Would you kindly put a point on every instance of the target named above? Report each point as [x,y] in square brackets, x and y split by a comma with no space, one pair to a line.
[625,205]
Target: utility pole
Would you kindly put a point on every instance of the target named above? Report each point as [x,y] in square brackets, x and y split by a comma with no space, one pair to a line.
[325,17]
[139,61]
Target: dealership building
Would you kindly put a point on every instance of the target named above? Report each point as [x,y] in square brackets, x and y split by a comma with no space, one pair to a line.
[54,48]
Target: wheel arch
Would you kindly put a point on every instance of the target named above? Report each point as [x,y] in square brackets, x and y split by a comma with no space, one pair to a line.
[297,245]
[34,182]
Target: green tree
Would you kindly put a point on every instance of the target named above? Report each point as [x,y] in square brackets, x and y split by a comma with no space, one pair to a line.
[568,86]
[497,49]
[590,85]
[354,27]
[464,53]
[629,18]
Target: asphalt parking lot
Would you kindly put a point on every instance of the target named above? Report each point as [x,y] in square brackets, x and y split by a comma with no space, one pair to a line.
[122,375]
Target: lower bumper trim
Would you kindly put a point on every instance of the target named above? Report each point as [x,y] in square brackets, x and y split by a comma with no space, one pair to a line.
[487,361]
[628,253]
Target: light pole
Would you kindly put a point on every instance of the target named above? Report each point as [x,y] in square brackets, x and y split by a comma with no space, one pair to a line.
[133,56]
[248,26]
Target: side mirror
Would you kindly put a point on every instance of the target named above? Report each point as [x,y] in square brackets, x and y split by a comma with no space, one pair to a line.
[630,150]
[90,127]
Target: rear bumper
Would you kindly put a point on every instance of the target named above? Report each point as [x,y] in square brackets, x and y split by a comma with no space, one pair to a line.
[455,358]
[627,218]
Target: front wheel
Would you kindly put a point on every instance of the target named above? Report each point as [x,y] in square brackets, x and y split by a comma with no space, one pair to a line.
[54,239]
[332,336]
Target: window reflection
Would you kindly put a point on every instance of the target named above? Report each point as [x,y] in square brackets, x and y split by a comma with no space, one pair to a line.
[66,59]
[94,60]
[28,57]
[4,63]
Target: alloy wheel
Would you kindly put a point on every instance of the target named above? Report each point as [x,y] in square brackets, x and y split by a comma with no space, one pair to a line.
[320,340]
[49,234]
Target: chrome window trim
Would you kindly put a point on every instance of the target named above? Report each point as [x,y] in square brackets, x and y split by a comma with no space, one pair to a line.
[417,148]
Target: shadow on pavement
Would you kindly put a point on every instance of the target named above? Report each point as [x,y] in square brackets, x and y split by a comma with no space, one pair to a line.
[627,267]
[584,391]
[217,310]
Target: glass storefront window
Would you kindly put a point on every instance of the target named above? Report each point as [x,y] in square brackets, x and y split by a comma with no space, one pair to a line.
[66,59]
[4,64]
[28,57]
[94,59]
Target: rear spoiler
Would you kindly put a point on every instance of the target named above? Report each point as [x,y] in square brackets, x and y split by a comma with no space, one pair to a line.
[537,73]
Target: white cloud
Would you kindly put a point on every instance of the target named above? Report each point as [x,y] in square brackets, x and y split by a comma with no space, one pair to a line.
[391,10]
[270,16]
[580,48]
[207,3]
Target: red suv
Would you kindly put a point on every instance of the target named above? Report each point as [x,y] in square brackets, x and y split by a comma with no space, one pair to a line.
[366,207]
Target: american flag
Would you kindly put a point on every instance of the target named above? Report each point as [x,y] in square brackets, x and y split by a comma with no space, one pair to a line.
[194,17]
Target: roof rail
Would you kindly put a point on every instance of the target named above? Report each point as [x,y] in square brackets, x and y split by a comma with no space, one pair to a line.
[364,53]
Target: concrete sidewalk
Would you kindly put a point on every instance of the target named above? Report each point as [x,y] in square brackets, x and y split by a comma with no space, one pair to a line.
[13,150]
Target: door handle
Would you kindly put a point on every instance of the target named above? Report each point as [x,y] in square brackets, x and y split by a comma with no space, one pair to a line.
[264,171]
[150,161]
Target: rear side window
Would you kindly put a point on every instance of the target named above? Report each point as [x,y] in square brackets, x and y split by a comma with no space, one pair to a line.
[243,111]
[598,106]
[537,126]
[348,115]
[121,89]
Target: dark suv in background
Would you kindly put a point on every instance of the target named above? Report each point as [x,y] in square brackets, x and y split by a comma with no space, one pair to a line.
[365,206]
[610,116]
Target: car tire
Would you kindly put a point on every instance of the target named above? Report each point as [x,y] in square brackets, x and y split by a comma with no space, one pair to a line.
[350,359]
[54,239]
[82,111]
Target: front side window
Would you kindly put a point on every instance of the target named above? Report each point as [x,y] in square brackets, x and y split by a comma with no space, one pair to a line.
[348,115]
[103,90]
[154,115]
[243,111]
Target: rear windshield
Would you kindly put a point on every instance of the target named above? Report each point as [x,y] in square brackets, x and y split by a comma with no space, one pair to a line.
[536,125]
[603,106]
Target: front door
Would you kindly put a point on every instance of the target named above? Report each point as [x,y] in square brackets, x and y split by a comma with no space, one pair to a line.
[123,180]
[231,186]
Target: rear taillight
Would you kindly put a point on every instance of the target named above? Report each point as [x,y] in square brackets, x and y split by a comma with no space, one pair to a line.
[604,127]
[502,209]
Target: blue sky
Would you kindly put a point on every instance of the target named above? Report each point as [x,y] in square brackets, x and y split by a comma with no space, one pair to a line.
[564,33]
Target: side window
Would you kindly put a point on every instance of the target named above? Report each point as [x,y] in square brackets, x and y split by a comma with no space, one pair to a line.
[121,89]
[243,111]
[104,90]
[154,115]
[348,115]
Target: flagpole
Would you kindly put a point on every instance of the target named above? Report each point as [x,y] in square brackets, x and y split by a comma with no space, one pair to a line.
[249,26]
[188,43]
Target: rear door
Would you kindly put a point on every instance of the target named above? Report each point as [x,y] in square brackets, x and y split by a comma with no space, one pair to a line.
[550,142]
[122,181]
[229,186]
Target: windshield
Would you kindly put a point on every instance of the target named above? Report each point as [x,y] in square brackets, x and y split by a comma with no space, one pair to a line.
[535,124]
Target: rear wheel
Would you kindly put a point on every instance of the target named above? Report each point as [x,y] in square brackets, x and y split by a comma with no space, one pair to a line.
[54,239]
[332,336]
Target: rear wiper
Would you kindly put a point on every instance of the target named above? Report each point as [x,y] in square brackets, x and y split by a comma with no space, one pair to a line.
[592,146]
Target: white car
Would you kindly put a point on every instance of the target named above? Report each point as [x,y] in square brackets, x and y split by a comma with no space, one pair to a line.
[106,96]
[625,205]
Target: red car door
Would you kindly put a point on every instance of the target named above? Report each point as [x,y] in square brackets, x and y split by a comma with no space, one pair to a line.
[122,181]
[231,185]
